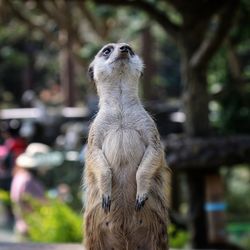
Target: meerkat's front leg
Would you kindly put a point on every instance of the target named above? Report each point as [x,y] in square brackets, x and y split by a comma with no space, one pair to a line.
[103,174]
[151,161]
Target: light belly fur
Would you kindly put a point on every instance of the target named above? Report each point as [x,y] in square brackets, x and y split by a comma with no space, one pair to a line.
[123,147]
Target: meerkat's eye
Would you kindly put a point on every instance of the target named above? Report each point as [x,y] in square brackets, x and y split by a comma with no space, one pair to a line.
[107,51]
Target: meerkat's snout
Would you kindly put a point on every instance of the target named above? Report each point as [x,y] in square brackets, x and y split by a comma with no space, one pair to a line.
[125,49]
[124,52]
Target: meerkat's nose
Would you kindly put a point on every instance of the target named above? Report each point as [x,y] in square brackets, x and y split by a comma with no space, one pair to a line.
[125,49]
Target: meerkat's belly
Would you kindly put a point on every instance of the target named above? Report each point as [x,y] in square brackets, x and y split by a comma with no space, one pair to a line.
[123,147]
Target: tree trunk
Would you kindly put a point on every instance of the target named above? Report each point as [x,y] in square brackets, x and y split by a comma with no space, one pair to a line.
[195,99]
[175,192]
[67,70]
[28,74]
[215,208]
[67,62]
[195,105]
[147,55]
[197,215]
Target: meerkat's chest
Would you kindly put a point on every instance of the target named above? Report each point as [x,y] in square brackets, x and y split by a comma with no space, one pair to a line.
[123,143]
[123,146]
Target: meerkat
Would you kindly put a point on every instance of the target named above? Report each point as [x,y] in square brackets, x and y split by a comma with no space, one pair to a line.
[126,176]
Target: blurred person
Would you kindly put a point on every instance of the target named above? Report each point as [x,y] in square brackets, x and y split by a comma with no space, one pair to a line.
[37,159]
[12,139]
[13,145]
[26,184]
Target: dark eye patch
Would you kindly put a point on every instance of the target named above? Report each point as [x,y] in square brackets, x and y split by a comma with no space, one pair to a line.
[106,52]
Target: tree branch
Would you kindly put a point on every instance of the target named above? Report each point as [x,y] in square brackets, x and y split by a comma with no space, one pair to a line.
[91,19]
[199,9]
[51,13]
[48,34]
[183,153]
[56,3]
[233,60]
[210,44]
[65,7]
[158,15]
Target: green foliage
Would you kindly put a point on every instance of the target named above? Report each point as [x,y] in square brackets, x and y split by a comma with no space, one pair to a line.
[246,242]
[177,238]
[4,197]
[89,51]
[232,93]
[235,113]
[54,222]
[13,57]
[10,54]
[238,204]
[12,32]
[239,233]
[232,98]
[23,52]
[237,184]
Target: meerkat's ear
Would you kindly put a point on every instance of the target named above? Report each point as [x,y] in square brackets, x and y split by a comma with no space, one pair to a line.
[91,72]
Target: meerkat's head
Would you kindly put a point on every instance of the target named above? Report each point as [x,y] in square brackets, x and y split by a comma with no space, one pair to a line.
[114,62]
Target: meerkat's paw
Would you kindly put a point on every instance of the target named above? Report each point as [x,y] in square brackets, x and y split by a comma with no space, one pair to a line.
[106,203]
[140,201]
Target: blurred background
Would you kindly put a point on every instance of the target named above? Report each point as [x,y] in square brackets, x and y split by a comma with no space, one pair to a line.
[196,85]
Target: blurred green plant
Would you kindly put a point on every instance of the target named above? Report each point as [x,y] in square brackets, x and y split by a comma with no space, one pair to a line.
[239,233]
[237,185]
[177,238]
[228,78]
[246,242]
[54,222]
[237,182]
[4,197]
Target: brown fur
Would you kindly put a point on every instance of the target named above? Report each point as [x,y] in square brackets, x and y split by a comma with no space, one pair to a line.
[125,161]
